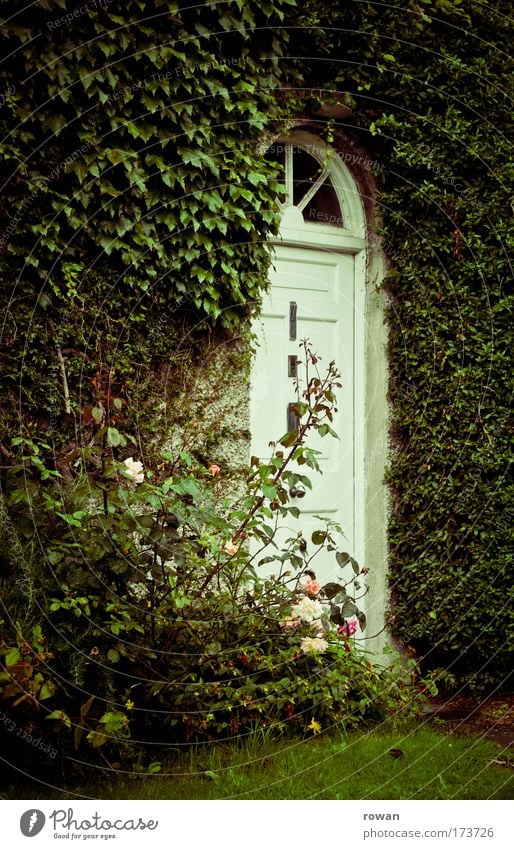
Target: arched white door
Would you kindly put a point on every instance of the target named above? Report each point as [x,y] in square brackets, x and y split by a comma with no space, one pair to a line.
[315,294]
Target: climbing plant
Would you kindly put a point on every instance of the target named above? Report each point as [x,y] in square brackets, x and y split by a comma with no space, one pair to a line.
[130,143]
[431,87]
[136,202]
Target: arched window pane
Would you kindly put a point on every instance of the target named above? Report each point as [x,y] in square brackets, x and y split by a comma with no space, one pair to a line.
[307,184]
[324,208]
[306,170]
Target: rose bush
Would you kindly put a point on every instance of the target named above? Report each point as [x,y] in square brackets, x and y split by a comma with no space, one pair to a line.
[171,614]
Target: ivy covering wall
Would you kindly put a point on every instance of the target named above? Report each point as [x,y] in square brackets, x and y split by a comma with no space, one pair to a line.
[131,145]
[431,88]
[135,208]
[136,205]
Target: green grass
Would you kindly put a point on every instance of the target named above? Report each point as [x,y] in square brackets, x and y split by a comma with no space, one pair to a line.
[428,765]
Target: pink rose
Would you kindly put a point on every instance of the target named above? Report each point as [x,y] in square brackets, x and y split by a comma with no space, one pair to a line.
[348,628]
[309,585]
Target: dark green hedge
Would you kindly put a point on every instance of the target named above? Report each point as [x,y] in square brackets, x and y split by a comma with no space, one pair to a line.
[135,201]
[432,86]
[129,142]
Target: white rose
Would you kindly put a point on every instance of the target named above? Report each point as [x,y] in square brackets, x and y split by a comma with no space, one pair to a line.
[134,470]
[307,609]
[314,645]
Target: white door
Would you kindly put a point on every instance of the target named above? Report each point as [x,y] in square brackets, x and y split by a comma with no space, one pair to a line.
[319,285]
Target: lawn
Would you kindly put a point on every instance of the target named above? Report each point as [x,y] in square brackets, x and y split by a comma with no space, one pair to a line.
[415,763]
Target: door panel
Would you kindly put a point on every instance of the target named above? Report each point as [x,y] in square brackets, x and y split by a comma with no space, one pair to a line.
[321,283]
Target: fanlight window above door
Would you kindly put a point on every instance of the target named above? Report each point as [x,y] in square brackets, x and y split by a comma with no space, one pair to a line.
[308,185]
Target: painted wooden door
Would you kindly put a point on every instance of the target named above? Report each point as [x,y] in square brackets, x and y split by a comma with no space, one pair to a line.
[321,285]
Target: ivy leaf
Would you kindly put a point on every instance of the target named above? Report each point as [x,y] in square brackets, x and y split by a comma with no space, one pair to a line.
[55,123]
[61,716]
[47,690]
[154,768]
[54,556]
[97,739]
[113,437]
[79,168]
[12,657]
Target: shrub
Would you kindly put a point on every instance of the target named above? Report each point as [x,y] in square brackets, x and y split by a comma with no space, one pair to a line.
[171,612]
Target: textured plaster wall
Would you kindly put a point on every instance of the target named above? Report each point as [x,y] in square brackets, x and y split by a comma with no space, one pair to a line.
[220,404]
[375,406]
[375,459]
[204,405]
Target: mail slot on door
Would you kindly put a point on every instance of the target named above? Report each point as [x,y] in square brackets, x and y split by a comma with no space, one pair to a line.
[292,366]
[293,317]
[293,422]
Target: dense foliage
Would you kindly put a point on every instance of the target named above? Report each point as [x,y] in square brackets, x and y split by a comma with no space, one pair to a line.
[167,612]
[431,86]
[130,144]
[135,203]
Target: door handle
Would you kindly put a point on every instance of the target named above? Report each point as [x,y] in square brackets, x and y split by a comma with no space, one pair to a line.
[293,317]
